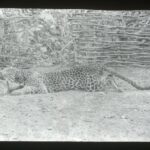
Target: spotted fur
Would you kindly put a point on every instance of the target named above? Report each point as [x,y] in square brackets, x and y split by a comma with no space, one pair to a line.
[84,78]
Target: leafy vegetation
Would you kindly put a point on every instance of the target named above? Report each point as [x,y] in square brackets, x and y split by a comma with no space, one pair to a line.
[34,37]
[31,37]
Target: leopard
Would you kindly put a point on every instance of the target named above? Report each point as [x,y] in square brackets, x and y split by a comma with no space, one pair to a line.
[24,81]
[83,78]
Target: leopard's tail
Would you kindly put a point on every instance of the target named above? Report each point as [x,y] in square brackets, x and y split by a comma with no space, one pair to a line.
[131,82]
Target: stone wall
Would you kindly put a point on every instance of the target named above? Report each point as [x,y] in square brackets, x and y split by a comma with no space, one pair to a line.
[115,36]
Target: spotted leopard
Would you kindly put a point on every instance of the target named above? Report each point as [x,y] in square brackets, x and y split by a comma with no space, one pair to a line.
[84,78]
[32,80]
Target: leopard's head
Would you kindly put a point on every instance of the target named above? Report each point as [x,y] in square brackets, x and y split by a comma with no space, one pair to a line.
[12,74]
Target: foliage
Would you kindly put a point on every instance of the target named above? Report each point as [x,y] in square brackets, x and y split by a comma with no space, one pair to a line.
[41,36]
[35,36]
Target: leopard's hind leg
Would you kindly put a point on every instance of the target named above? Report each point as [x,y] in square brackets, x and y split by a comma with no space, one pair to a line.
[112,82]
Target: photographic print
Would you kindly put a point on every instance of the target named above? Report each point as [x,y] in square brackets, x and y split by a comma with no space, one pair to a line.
[74,75]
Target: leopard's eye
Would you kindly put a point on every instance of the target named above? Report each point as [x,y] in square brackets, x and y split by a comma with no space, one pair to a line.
[16,78]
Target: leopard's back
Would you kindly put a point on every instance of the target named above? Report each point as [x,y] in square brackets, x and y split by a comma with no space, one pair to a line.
[78,78]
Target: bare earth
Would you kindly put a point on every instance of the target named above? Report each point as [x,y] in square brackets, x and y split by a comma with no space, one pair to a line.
[77,116]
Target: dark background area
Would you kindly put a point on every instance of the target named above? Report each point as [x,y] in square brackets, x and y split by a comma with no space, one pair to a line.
[96,4]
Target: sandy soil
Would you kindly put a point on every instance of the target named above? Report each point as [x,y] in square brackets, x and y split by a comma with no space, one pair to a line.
[79,116]
[76,116]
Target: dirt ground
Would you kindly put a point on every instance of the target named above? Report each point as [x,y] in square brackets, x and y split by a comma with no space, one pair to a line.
[79,116]
[76,116]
